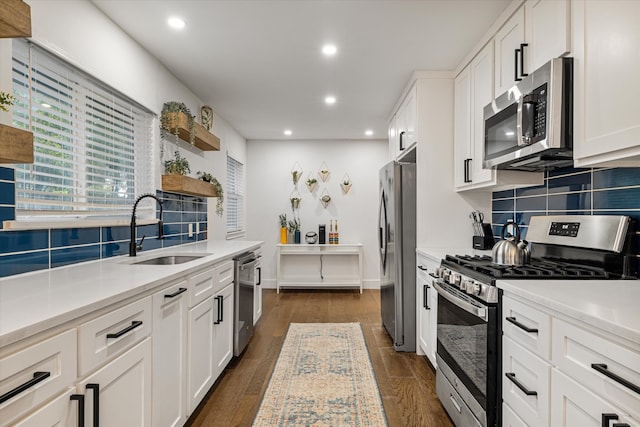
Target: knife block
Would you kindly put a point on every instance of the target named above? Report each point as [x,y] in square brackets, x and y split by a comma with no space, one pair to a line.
[486,241]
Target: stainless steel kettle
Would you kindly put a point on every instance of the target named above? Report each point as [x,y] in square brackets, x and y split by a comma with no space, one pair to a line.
[511,250]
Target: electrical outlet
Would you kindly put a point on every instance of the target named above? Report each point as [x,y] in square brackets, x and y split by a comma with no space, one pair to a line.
[190,230]
[197,228]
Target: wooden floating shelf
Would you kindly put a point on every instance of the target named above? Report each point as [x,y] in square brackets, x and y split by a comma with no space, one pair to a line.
[205,140]
[16,145]
[187,185]
[15,19]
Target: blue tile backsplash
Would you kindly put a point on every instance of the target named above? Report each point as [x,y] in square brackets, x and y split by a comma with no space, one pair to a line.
[30,250]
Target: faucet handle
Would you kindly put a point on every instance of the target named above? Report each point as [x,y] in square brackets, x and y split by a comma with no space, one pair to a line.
[139,245]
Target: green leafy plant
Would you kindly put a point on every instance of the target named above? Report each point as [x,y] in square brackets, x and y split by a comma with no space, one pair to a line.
[282,218]
[207,177]
[6,100]
[295,175]
[294,225]
[326,198]
[311,181]
[346,182]
[169,116]
[295,202]
[177,166]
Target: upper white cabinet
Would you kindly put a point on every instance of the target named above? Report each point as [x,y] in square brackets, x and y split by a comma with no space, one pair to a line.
[403,126]
[607,65]
[508,43]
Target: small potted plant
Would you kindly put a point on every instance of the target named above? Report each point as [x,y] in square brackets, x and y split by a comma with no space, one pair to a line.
[295,176]
[311,183]
[346,184]
[6,100]
[282,218]
[295,202]
[177,166]
[207,177]
[326,198]
[294,227]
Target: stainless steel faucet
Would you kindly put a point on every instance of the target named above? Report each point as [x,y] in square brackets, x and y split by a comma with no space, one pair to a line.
[133,246]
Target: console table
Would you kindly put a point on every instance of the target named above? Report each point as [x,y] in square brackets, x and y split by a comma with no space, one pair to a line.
[319,266]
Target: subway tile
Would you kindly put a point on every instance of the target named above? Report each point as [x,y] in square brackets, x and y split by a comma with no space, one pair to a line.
[501,217]
[189,216]
[152,243]
[150,231]
[7,213]
[628,198]
[172,241]
[171,217]
[502,205]
[112,234]
[564,184]
[565,171]
[202,216]
[172,229]
[7,174]
[66,256]
[633,214]
[619,177]
[524,218]
[19,241]
[531,191]
[538,203]
[115,249]
[74,236]
[570,202]
[502,194]
[7,193]
[23,263]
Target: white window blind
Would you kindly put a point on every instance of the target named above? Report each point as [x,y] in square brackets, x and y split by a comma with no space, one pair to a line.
[235,197]
[92,146]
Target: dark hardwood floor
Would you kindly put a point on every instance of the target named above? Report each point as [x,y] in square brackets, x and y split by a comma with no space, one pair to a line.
[406,381]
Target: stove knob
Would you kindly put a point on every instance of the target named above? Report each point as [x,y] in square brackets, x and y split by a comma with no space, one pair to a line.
[476,289]
[467,285]
[454,279]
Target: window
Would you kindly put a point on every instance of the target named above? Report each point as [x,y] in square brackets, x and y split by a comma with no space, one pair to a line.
[92,146]
[235,198]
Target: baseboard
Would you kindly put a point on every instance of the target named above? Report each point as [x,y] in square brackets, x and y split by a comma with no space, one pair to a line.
[366,284]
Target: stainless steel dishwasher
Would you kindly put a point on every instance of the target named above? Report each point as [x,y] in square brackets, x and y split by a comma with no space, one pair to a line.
[245,271]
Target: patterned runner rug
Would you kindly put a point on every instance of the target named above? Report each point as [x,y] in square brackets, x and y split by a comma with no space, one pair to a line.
[323,377]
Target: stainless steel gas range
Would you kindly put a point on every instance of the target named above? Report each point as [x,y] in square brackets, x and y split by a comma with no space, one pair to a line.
[469,316]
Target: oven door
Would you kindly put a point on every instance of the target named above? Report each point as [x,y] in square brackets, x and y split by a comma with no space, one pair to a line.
[467,333]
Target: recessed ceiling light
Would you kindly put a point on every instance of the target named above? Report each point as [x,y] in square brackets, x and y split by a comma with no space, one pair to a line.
[368,132]
[288,132]
[329,49]
[175,22]
[330,100]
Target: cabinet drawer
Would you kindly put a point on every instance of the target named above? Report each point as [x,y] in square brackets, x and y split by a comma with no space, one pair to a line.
[201,286]
[527,326]
[40,371]
[111,334]
[510,419]
[575,406]
[590,358]
[524,372]
[224,275]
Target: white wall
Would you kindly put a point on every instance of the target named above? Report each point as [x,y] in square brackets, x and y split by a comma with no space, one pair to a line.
[269,186]
[78,32]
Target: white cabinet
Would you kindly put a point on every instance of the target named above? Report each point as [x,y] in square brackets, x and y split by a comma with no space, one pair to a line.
[257,291]
[223,329]
[508,47]
[119,393]
[61,411]
[170,311]
[403,126]
[607,65]
[200,376]
[427,309]
[547,31]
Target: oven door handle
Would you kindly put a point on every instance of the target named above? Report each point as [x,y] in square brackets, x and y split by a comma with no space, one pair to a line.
[480,312]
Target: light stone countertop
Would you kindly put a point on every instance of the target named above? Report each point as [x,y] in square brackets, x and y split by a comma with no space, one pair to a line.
[34,302]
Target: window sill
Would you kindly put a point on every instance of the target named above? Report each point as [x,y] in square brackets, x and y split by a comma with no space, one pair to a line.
[70,223]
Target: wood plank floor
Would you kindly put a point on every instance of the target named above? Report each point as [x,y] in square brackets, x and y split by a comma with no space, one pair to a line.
[406,381]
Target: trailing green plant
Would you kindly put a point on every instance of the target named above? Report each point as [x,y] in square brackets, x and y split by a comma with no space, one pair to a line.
[295,175]
[295,203]
[6,100]
[282,218]
[177,166]
[169,111]
[207,177]
[294,225]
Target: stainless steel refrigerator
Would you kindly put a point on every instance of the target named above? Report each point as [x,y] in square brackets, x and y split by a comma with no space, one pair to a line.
[397,241]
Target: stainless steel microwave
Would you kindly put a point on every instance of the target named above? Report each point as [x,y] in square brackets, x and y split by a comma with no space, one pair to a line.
[530,127]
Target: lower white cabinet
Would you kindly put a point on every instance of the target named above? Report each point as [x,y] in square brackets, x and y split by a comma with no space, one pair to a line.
[119,393]
[61,411]
[170,310]
[257,292]
[427,309]
[223,330]
[200,376]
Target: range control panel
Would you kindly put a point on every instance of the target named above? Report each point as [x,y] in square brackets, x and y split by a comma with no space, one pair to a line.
[568,229]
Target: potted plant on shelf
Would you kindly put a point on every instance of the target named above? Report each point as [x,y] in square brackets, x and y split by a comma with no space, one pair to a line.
[177,166]
[207,177]
[282,218]
[169,122]
[294,227]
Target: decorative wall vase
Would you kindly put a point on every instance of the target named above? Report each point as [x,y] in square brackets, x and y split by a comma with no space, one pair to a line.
[346,183]
[324,172]
[311,183]
[296,173]
[295,199]
[325,199]
[283,235]
[296,237]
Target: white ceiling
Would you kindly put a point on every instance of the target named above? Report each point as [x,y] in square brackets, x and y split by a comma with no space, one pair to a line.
[259,64]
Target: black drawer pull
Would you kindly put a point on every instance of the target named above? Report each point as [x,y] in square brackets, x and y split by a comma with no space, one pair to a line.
[80,399]
[512,378]
[608,417]
[176,293]
[422,268]
[425,297]
[118,334]
[521,326]
[37,377]
[433,275]
[96,402]
[602,368]
[621,425]
[219,315]
[259,275]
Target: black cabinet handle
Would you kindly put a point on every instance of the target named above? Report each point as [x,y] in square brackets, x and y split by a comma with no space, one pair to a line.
[96,402]
[521,326]
[220,305]
[423,268]
[401,144]
[259,276]
[37,377]
[425,296]
[608,417]
[176,293]
[515,65]
[621,425]
[433,275]
[80,399]
[118,334]
[602,368]
[522,46]
[512,378]
[467,170]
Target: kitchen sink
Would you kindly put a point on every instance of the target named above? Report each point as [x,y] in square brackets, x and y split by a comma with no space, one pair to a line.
[169,260]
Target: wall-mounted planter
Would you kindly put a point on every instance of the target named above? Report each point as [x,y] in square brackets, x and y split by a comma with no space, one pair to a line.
[16,145]
[186,185]
[205,140]
[15,19]
[346,183]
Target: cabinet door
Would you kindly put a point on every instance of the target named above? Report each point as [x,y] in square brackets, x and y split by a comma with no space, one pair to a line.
[433,325]
[423,309]
[462,128]
[393,137]
[507,40]
[607,123]
[547,31]
[223,330]
[200,352]
[61,411]
[170,355]
[124,390]
[482,94]
[257,294]
[573,405]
